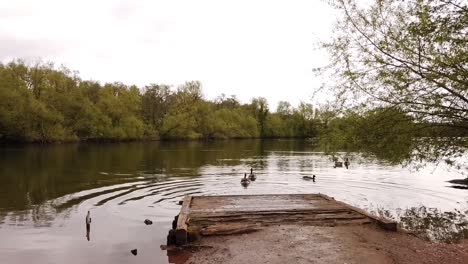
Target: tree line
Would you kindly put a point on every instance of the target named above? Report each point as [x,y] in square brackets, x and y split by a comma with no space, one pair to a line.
[39,103]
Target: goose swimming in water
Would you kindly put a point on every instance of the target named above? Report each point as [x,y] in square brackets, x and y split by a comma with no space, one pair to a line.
[309,177]
[245,181]
[252,176]
[346,163]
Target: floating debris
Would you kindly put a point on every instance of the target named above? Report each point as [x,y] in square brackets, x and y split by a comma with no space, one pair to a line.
[134,251]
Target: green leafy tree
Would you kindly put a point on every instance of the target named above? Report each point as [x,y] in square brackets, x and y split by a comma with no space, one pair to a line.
[386,133]
[278,126]
[223,102]
[181,120]
[284,109]
[155,104]
[259,108]
[41,103]
[411,55]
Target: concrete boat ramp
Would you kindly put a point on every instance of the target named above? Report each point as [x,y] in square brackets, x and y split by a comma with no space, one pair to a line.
[235,214]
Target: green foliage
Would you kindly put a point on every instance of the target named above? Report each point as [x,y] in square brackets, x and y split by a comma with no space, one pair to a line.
[39,103]
[278,126]
[155,104]
[406,54]
[384,132]
[290,122]
[259,108]
[226,123]
[397,59]
[42,104]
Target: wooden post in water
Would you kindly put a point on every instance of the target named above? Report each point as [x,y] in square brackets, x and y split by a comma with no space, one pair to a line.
[181,235]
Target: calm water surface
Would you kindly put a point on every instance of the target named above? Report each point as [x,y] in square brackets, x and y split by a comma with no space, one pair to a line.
[45,192]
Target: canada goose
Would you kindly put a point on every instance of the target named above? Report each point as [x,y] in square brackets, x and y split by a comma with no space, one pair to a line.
[346,163]
[88,218]
[252,176]
[309,177]
[245,181]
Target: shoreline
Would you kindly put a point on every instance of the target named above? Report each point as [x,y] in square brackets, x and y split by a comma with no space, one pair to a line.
[107,140]
[320,244]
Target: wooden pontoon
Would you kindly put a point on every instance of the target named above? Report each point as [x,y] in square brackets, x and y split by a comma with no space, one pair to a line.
[231,214]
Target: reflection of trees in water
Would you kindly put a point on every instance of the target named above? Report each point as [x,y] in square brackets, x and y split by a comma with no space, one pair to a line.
[305,164]
[2,218]
[415,153]
[451,151]
[395,153]
[283,164]
[39,182]
[31,175]
[38,216]
[431,223]
[392,136]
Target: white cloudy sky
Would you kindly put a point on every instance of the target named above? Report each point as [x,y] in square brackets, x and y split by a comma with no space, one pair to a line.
[247,48]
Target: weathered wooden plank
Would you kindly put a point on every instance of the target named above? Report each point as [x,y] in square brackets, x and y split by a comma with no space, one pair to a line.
[264,207]
[259,206]
[313,213]
[181,230]
[274,218]
[329,207]
[239,228]
[248,197]
[224,198]
[220,202]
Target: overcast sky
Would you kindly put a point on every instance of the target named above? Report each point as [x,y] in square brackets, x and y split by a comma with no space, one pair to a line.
[247,48]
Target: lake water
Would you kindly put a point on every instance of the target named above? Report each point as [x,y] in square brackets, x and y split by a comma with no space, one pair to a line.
[46,191]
